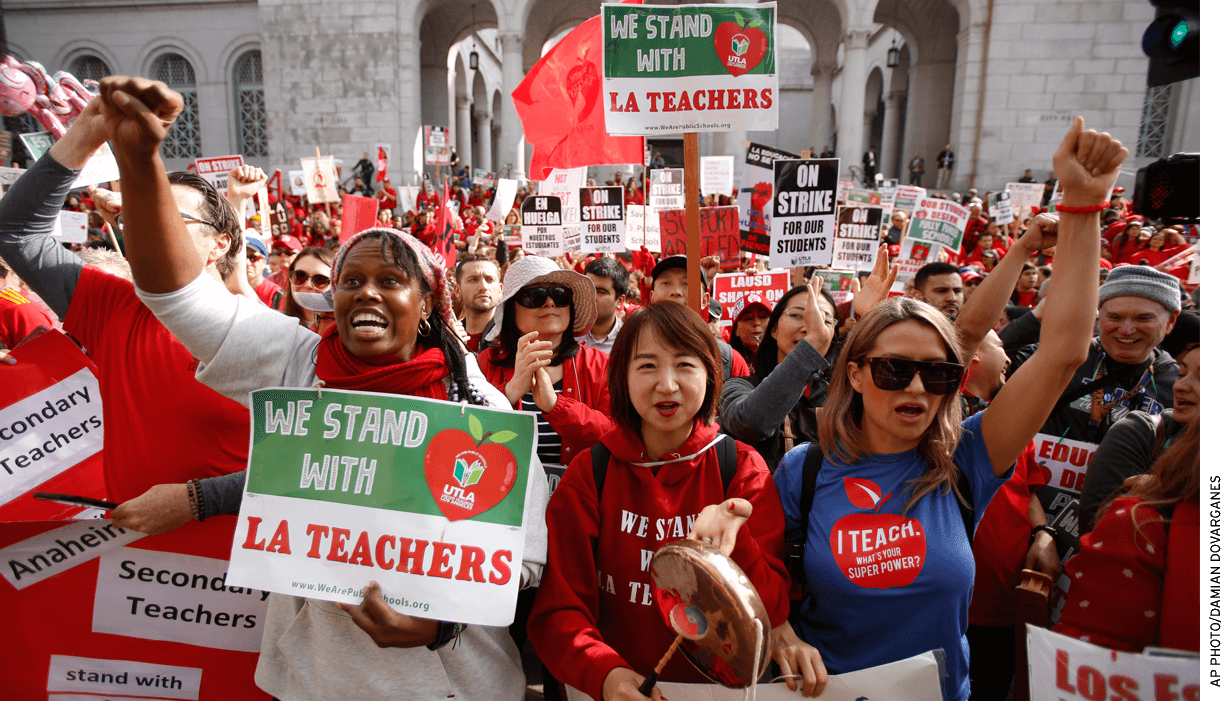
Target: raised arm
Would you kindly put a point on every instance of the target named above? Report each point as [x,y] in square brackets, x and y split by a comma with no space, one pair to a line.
[1087,163]
[137,114]
[30,208]
[984,306]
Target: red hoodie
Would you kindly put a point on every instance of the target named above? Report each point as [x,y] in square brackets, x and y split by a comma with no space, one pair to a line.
[591,617]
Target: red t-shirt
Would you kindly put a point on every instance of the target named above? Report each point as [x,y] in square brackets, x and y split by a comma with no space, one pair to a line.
[267,289]
[19,317]
[162,426]
[1000,544]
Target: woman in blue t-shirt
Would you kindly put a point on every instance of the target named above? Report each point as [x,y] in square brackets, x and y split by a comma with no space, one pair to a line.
[889,570]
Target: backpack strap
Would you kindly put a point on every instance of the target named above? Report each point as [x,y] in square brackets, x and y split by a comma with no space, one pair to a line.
[728,461]
[600,455]
[727,359]
[811,471]
[967,512]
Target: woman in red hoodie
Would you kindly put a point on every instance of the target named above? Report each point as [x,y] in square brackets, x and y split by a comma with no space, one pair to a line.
[595,624]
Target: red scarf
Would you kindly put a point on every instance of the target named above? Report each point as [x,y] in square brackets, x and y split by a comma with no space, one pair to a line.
[421,376]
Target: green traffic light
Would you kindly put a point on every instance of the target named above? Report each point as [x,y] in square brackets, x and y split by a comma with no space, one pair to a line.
[1178,34]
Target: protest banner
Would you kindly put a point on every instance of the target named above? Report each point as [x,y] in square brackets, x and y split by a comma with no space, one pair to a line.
[642,230]
[844,185]
[405,197]
[502,203]
[755,191]
[135,616]
[298,182]
[215,170]
[719,234]
[1000,207]
[37,143]
[907,268]
[435,146]
[485,178]
[101,168]
[51,429]
[572,239]
[906,199]
[839,283]
[383,152]
[358,214]
[1025,195]
[512,235]
[666,189]
[566,183]
[446,481]
[602,219]
[804,212]
[856,195]
[729,288]
[717,175]
[320,179]
[70,227]
[941,221]
[689,68]
[1066,668]
[858,238]
[542,222]
[912,679]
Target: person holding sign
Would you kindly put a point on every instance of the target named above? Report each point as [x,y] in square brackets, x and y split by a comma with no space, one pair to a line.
[897,482]
[393,335]
[662,465]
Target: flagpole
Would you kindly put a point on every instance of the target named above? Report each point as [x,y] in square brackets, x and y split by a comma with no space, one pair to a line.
[691,190]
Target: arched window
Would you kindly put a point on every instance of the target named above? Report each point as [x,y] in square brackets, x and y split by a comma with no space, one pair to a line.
[250,105]
[184,139]
[89,67]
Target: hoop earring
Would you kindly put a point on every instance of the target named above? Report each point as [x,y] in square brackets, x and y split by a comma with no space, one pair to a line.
[424,327]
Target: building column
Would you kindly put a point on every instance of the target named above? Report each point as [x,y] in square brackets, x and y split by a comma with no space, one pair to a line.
[892,124]
[821,100]
[483,160]
[851,127]
[409,153]
[464,103]
[928,119]
[512,137]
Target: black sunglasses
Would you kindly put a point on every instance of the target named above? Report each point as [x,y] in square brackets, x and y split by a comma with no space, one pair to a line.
[535,297]
[319,281]
[894,374]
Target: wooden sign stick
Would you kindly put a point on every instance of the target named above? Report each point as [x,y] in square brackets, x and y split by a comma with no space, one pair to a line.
[328,209]
[691,191]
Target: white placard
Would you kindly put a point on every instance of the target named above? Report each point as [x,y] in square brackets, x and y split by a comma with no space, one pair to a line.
[566,184]
[505,195]
[717,175]
[1066,668]
[70,227]
[60,549]
[122,677]
[101,168]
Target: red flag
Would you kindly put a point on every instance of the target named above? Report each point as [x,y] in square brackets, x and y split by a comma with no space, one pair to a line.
[358,214]
[382,163]
[560,106]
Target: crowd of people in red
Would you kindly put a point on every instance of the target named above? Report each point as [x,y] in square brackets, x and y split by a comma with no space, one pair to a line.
[931,410]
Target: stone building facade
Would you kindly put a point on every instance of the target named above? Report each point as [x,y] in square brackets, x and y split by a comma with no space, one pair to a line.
[274,79]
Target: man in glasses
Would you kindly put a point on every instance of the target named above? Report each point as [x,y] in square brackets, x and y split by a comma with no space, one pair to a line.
[161,424]
[257,258]
[670,284]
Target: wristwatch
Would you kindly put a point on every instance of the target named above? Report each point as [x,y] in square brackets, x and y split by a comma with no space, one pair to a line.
[1033,534]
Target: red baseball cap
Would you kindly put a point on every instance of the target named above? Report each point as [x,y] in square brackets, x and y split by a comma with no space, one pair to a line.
[970,275]
[287,241]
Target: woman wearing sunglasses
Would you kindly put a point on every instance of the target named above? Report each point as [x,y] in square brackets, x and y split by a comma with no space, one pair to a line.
[537,362]
[889,570]
[308,275]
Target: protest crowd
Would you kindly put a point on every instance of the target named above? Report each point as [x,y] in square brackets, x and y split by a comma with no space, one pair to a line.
[881,448]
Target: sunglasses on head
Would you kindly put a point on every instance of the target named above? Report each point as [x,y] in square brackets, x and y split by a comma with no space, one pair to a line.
[301,277]
[894,374]
[535,297]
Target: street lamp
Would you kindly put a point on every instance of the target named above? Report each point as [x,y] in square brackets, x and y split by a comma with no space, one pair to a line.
[474,35]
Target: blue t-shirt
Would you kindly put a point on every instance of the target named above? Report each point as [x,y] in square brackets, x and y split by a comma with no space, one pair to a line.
[882,587]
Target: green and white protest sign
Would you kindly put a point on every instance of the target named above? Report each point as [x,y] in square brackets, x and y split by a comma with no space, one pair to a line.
[941,221]
[689,68]
[347,487]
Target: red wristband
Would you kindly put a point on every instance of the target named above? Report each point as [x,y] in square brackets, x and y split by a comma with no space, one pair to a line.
[1091,209]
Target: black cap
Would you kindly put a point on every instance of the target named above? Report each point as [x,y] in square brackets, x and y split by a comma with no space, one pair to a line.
[715,310]
[665,264]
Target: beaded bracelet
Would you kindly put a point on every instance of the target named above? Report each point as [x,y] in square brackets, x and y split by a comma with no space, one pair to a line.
[196,510]
[1091,209]
[200,498]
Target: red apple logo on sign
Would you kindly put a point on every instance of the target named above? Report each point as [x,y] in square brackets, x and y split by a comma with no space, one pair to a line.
[874,550]
[469,473]
[740,49]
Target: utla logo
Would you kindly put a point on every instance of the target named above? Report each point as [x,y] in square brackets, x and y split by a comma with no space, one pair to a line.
[456,463]
[875,550]
[739,48]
